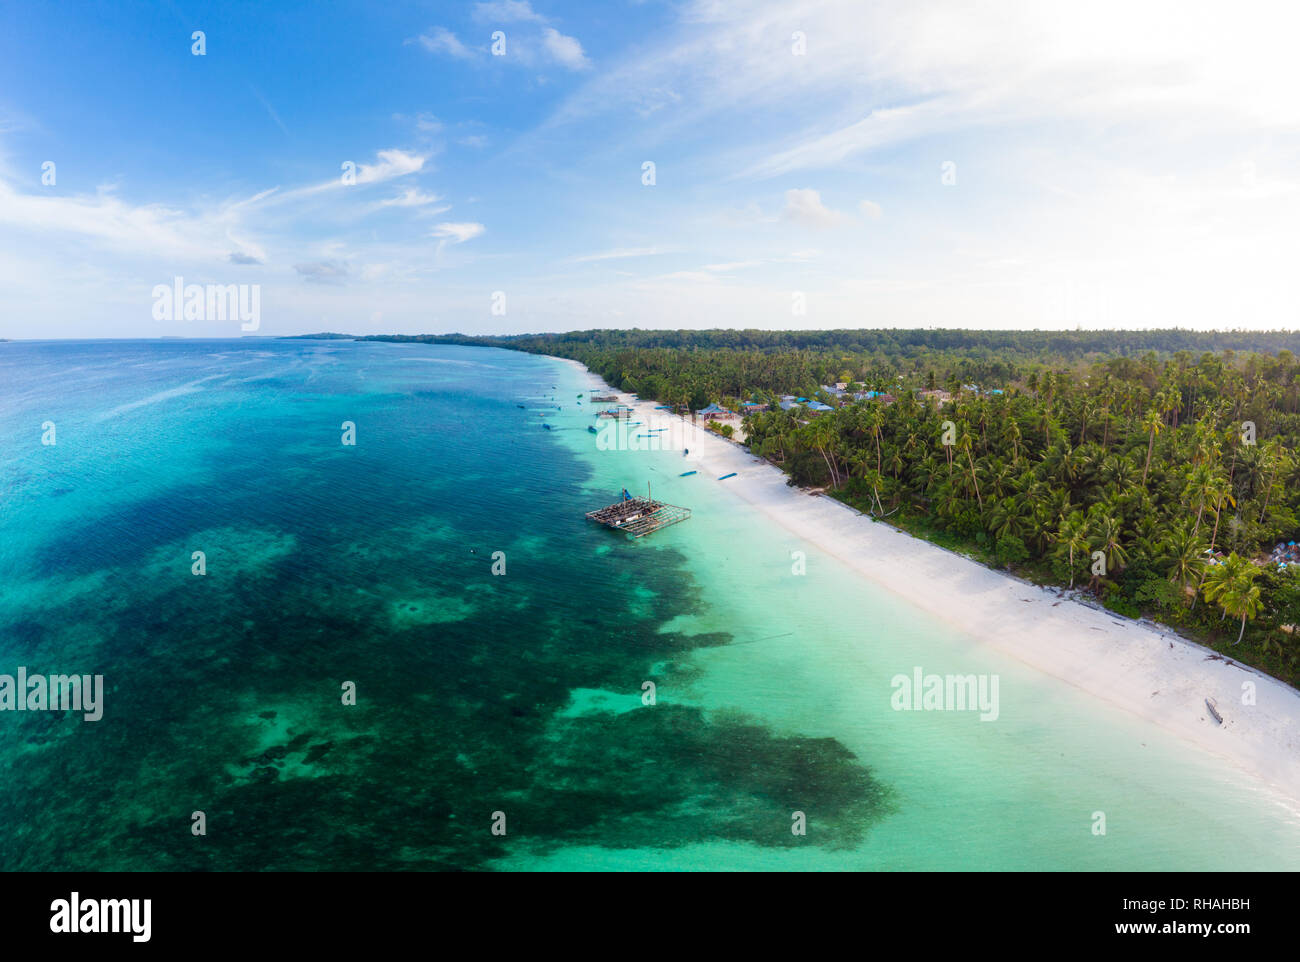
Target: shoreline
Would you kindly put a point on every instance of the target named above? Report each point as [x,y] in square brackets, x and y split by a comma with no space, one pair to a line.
[1136,666]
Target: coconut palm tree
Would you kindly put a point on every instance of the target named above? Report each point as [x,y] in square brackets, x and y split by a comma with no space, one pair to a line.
[1072,538]
[1232,585]
[1185,553]
[1200,482]
[1108,532]
[1152,423]
[966,442]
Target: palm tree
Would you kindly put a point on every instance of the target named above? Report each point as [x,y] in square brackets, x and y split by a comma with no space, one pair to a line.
[1072,536]
[1219,494]
[1186,554]
[1011,434]
[1200,482]
[966,442]
[1007,519]
[875,418]
[1232,585]
[1109,532]
[1272,460]
[820,434]
[1152,423]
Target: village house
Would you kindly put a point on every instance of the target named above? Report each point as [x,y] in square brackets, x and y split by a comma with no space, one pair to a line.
[714,412]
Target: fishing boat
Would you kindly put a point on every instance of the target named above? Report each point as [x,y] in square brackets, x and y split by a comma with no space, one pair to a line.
[521,407]
[1213,711]
[592,429]
[725,476]
[686,474]
[547,426]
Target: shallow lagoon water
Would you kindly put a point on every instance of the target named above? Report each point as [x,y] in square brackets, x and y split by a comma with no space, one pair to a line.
[480,693]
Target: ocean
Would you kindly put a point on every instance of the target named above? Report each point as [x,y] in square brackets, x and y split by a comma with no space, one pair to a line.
[413,652]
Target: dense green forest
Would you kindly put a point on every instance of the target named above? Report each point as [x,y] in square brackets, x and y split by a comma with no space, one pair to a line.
[1157,470]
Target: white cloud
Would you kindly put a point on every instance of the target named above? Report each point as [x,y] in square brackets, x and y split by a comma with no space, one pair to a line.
[392,163]
[506,11]
[442,40]
[804,206]
[458,233]
[411,197]
[565,50]
[894,71]
[104,218]
[870,209]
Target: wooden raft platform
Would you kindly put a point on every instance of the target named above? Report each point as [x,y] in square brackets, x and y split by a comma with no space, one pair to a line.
[639,516]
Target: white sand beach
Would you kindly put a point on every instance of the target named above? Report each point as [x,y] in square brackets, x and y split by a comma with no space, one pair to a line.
[1136,666]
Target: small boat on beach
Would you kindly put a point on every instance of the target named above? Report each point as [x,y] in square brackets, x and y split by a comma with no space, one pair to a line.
[686,474]
[725,476]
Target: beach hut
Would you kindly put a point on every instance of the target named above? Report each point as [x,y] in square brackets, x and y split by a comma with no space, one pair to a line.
[714,411]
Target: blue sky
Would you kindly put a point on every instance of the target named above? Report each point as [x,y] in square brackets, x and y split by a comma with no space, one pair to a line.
[1107,165]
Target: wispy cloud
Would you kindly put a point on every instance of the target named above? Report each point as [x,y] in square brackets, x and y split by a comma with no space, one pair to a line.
[411,197]
[506,11]
[269,109]
[531,41]
[458,233]
[440,40]
[619,253]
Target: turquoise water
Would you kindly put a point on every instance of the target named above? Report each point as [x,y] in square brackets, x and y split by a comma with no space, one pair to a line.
[517,693]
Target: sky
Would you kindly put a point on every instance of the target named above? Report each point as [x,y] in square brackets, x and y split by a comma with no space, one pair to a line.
[531,165]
